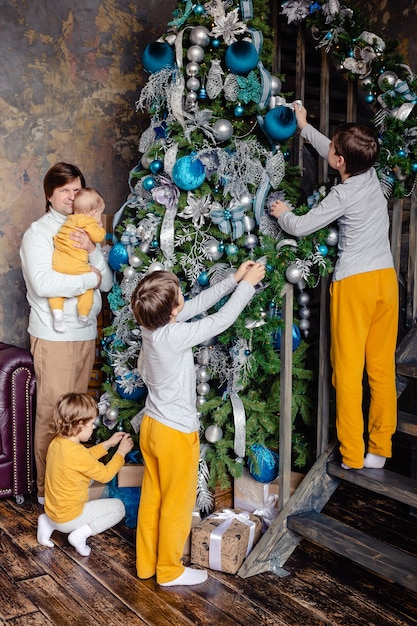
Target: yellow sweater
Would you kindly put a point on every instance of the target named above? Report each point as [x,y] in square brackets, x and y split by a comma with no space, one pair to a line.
[70,467]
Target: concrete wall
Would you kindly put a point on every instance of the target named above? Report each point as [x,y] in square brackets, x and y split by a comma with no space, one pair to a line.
[70,74]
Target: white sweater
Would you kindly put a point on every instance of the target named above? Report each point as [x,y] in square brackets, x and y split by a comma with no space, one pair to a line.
[42,282]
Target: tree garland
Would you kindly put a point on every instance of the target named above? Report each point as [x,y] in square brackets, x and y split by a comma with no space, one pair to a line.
[215,155]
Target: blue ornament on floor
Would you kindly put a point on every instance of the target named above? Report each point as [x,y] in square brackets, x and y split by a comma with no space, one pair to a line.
[157,55]
[280,123]
[118,256]
[188,173]
[268,464]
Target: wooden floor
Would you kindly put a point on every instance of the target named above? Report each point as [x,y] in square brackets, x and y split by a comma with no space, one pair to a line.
[40,585]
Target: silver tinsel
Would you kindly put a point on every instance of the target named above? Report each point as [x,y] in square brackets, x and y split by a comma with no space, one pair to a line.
[156,91]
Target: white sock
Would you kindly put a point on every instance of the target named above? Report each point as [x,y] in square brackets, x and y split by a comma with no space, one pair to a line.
[83,319]
[344,466]
[189,576]
[374,461]
[78,539]
[41,500]
[45,530]
[58,320]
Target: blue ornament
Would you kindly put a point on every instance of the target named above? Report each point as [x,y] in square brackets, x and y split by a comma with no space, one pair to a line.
[231,249]
[215,43]
[413,167]
[156,166]
[203,279]
[401,153]
[324,250]
[241,57]
[239,110]
[369,98]
[148,183]
[267,464]
[136,394]
[296,338]
[118,256]
[198,9]
[156,56]
[188,173]
[202,94]
[280,123]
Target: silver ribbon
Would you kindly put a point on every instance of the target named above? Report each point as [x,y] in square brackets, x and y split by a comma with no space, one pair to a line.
[239,418]
[167,232]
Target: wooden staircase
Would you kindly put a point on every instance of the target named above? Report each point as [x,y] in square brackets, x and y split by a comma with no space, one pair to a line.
[300,515]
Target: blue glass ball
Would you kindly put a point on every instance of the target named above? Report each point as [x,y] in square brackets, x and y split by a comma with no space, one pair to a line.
[118,256]
[231,249]
[157,55]
[324,250]
[241,57]
[267,461]
[401,153]
[413,167]
[156,166]
[296,338]
[215,43]
[198,9]
[280,123]
[148,183]
[203,279]
[188,173]
[369,98]
[136,394]
[239,110]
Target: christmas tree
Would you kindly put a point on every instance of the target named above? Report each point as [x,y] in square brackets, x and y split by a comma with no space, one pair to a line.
[215,154]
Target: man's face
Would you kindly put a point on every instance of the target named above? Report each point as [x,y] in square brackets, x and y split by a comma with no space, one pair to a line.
[63,197]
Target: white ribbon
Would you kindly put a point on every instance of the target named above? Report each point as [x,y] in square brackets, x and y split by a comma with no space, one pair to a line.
[268,511]
[167,232]
[216,535]
[239,418]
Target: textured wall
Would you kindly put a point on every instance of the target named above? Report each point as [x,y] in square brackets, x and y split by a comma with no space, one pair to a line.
[70,75]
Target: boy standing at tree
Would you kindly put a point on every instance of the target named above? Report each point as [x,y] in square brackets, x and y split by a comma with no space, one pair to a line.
[363,293]
[169,438]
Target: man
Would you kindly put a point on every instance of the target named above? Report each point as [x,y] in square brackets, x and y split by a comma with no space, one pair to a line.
[63,361]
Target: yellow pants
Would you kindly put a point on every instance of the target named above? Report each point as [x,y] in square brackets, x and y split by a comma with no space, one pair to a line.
[167,500]
[364,326]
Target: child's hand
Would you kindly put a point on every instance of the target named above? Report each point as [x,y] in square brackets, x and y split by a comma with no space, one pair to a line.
[125,445]
[255,274]
[240,273]
[113,440]
[278,207]
[300,114]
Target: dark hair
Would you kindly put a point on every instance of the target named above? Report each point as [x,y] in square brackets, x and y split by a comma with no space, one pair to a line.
[58,176]
[72,411]
[154,298]
[358,145]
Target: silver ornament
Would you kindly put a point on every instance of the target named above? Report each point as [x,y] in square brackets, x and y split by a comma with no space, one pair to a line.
[193,84]
[145,246]
[293,273]
[251,241]
[246,200]
[223,130]
[134,260]
[211,247]
[155,267]
[192,69]
[332,237]
[248,223]
[129,272]
[304,313]
[200,35]
[213,433]
[112,414]
[202,374]
[203,389]
[203,357]
[276,85]
[146,160]
[286,242]
[386,80]
[301,285]
[303,298]
[195,54]
[304,325]
[192,97]
[201,400]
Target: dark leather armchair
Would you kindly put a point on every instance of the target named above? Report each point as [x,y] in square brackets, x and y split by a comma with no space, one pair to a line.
[17,411]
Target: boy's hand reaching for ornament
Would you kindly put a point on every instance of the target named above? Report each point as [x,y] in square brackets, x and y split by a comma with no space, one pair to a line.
[255,274]
[278,208]
[243,269]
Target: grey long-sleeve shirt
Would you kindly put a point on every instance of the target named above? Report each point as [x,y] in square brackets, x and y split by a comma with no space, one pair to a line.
[360,209]
[166,362]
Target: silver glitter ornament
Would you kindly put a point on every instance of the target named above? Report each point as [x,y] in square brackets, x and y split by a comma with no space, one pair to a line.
[213,433]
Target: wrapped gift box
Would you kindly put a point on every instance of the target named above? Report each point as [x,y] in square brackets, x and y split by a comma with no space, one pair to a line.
[130,475]
[97,490]
[252,495]
[195,520]
[223,540]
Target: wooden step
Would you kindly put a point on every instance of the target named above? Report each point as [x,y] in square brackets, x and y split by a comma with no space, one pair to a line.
[407,423]
[406,355]
[382,481]
[385,560]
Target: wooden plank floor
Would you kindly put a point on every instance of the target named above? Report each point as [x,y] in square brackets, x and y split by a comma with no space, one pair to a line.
[44,586]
